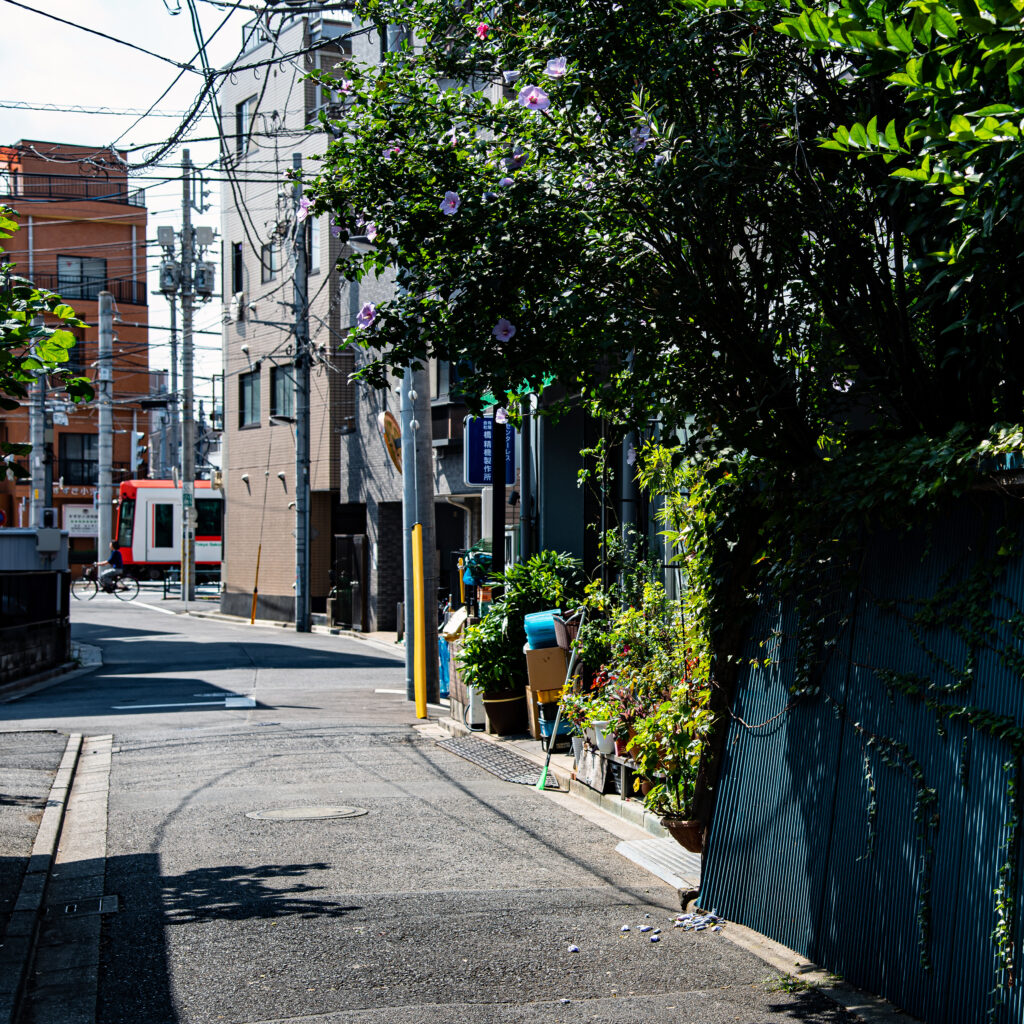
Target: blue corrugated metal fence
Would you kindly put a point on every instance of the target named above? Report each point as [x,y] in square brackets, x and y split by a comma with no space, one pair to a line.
[791,852]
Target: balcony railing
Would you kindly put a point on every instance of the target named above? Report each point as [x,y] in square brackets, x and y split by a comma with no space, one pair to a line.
[71,288]
[15,185]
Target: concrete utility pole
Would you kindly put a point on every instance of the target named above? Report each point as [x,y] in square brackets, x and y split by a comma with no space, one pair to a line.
[104,400]
[422,438]
[188,448]
[174,446]
[37,470]
[301,372]
[408,521]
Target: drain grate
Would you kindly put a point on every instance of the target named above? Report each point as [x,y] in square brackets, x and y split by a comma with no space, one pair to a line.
[97,905]
[509,766]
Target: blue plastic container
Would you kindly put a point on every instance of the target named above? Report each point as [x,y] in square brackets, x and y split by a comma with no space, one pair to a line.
[540,629]
[564,729]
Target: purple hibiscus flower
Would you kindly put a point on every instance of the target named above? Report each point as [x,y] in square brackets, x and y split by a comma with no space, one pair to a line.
[534,98]
[503,330]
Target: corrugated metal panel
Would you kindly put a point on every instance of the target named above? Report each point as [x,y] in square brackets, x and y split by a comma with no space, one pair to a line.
[788,852]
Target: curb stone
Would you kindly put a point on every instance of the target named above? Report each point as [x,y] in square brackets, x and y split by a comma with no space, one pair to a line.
[19,941]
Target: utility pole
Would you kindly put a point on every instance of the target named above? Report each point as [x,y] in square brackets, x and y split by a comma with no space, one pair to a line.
[36,412]
[301,372]
[422,438]
[106,423]
[188,449]
[408,522]
[174,439]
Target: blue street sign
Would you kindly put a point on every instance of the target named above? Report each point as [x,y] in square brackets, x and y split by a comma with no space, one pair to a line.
[477,461]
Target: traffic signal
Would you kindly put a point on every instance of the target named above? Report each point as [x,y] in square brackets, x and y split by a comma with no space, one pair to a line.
[138,450]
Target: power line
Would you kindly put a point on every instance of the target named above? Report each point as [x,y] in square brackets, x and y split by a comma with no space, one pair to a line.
[60,108]
[103,35]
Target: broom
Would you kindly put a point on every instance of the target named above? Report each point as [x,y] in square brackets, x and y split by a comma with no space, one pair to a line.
[543,781]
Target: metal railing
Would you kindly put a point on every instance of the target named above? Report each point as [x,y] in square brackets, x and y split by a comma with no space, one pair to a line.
[70,287]
[16,185]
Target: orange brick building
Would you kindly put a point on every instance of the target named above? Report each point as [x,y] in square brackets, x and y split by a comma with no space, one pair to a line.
[83,231]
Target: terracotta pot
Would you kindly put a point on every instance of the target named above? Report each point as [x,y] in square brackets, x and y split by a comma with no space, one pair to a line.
[620,745]
[688,834]
[506,712]
[646,786]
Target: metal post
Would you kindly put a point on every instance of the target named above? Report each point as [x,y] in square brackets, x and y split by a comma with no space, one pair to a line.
[525,483]
[188,448]
[106,424]
[302,496]
[408,521]
[498,507]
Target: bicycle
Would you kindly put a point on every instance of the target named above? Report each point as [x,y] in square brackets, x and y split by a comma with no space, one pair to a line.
[123,587]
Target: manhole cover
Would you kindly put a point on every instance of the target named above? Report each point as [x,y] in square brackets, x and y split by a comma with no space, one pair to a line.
[306,813]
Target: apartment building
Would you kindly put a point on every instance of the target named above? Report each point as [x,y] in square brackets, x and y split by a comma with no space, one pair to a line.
[83,231]
[356,506]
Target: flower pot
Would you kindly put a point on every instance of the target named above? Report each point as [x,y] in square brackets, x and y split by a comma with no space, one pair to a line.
[506,712]
[577,748]
[646,786]
[688,834]
[620,745]
[604,739]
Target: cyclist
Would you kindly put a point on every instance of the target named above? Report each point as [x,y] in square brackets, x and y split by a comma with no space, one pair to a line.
[108,577]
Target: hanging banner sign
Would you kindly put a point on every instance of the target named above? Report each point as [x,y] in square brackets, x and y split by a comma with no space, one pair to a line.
[477,453]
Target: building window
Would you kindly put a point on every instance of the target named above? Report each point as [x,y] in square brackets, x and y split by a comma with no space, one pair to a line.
[76,354]
[237,269]
[249,399]
[313,245]
[245,113]
[269,261]
[78,459]
[282,391]
[81,277]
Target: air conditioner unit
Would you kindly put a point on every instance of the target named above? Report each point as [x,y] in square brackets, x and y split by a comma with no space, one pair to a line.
[236,309]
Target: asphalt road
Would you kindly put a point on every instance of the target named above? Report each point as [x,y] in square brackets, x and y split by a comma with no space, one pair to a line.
[454,898]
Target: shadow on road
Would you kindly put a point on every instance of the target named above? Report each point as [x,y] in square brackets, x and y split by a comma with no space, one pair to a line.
[135,981]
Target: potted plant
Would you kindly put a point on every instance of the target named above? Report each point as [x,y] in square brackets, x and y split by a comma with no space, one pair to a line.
[491,658]
[667,747]
[575,707]
[599,718]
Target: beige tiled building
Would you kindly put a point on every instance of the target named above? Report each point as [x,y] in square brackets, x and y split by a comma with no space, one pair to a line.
[356,490]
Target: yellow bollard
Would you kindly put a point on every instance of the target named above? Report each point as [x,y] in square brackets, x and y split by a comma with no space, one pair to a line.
[419,624]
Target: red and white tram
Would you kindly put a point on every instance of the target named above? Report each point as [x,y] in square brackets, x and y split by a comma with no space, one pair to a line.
[148,531]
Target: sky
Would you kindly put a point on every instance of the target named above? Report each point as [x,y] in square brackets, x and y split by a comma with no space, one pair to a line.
[46,62]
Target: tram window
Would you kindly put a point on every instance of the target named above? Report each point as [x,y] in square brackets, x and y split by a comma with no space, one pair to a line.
[209,513]
[125,522]
[163,526]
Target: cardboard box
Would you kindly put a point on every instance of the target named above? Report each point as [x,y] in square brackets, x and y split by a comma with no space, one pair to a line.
[546,668]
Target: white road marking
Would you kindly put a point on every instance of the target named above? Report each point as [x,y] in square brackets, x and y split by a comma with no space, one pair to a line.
[390,691]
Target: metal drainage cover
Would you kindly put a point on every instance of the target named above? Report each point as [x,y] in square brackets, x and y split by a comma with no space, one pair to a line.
[505,764]
[306,813]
